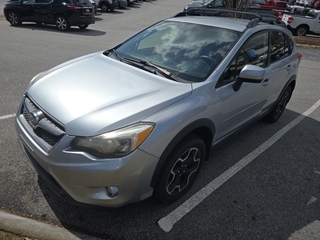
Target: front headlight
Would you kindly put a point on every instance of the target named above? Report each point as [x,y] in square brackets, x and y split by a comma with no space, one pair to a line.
[118,143]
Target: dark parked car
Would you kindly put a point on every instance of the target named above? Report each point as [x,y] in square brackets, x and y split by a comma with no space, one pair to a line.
[62,13]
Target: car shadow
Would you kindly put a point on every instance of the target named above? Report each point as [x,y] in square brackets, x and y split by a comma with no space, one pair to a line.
[98,19]
[272,193]
[114,12]
[73,30]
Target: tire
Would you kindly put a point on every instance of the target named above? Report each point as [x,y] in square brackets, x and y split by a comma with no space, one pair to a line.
[301,30]
[105,7]
[13,18]
[62,23]
[84,26]
[180,169]
[280,106]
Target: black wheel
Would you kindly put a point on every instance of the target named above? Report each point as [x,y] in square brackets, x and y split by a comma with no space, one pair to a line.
[84,26]
[105,7]
[62,23]
[14,19]
[278,109]
[180,169]
[301,31]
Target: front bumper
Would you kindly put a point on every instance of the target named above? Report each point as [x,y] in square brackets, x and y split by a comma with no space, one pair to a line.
[80,179]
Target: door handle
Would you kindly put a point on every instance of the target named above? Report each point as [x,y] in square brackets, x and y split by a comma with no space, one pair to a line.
[265,82]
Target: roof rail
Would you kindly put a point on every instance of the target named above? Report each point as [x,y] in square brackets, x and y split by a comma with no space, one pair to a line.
[254,18]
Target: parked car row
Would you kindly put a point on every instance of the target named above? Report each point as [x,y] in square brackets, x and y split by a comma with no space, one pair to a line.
[305,3]
[209,6]
[301,20]
[110,5]
[62,13]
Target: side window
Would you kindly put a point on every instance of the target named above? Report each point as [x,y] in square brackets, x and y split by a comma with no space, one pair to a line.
[254,51]
[281,46]
[277,46]
[217,3]
[288,46]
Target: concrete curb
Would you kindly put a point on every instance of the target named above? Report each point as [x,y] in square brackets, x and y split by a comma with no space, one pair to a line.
[34,229]
[308,46]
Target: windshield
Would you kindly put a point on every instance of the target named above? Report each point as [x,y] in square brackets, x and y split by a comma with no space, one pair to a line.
[188,51]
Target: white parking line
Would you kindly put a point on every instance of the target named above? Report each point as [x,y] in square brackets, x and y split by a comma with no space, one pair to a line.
[166,223]
[7,116]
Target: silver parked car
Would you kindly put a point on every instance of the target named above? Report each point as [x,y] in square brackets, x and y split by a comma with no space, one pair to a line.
[142,120]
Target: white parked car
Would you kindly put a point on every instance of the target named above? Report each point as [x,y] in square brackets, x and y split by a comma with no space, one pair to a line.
[302,25]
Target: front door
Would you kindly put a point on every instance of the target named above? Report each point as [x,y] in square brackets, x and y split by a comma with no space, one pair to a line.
[238,107]
[26,11]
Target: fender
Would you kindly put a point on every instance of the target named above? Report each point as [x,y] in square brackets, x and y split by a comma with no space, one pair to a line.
[204,128]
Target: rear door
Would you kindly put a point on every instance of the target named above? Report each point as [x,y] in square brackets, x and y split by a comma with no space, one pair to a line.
[281,65]
[43,11]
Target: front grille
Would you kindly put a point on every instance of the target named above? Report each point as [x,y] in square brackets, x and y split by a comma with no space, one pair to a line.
[44,127]
[47,137]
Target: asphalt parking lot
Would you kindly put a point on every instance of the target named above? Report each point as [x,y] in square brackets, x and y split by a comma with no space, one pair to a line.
[262,184]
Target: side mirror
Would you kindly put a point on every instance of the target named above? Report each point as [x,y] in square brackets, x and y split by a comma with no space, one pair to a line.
[251,74]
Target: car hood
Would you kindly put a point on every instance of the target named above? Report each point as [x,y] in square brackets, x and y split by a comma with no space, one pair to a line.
[96,94]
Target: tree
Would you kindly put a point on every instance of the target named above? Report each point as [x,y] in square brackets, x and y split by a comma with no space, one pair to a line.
[238,4]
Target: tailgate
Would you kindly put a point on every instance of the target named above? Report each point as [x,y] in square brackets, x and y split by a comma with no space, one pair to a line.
[285,18]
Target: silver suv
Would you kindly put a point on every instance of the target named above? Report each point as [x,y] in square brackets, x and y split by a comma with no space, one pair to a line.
[139,120]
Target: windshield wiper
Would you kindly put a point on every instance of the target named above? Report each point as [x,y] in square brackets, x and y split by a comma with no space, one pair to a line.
[113,51]
[116,54]
[156,69]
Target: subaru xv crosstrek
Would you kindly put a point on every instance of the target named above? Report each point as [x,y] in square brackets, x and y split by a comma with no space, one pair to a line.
[139,120]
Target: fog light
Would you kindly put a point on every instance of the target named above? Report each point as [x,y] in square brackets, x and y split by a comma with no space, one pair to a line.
[112,191]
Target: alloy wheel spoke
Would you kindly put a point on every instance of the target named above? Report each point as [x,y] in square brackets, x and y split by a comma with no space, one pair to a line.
[174,184]
[183,169]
